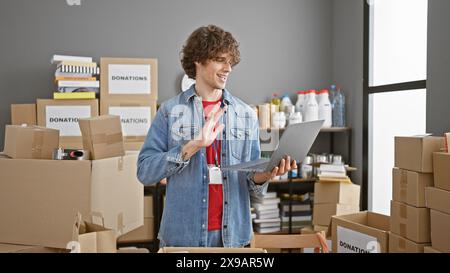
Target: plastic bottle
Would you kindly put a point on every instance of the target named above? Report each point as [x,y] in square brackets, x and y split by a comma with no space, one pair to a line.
[300,104]
[331,93]
[276,102]
[295,118]
[285,102]
[311,107]
[339,109]
[325,110]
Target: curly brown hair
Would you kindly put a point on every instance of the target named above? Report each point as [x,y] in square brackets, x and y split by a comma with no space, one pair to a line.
[206,43]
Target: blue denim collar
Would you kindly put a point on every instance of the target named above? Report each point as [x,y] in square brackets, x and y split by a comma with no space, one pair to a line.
[190,93]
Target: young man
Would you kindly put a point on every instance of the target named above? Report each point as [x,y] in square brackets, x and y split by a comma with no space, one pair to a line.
[191,137]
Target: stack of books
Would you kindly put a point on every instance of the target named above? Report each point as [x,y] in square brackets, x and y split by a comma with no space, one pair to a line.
[75,77]
[333,173]
[267,213]
[300,213]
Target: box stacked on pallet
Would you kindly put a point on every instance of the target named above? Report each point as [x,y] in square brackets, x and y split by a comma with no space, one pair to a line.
[413,172]
[267,213]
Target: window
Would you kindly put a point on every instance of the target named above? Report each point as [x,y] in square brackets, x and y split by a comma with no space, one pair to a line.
[395,56]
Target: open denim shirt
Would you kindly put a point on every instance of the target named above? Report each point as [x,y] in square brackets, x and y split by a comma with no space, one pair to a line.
[185,216]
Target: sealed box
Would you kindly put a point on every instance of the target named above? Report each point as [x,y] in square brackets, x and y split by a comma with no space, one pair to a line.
[322,213]
[128,78]
[30,142]
[52,192]
[398,244]
[409,187]
[64,115]
[438,199]
[363,232]
[442,170]
[410,222]
[416,153]
[23,114]
[136,117]
[102,136]
[440,230]
[338,193]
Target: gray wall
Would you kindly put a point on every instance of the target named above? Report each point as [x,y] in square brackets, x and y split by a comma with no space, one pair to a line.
[348,28]
[438,87]
[285,45]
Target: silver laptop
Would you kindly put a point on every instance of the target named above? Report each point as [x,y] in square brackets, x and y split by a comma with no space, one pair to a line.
[296,141]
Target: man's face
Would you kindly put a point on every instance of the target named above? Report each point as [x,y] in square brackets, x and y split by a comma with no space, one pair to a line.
[214,73]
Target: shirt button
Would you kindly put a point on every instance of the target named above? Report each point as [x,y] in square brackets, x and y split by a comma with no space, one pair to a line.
[203,226]
[226,203]
[225,226]
[204,177]
[204,200]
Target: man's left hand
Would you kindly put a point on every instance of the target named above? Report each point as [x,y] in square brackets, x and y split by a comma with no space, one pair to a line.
[284,166]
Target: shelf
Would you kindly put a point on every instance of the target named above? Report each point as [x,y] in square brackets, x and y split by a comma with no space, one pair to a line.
[293,180]
[323,130]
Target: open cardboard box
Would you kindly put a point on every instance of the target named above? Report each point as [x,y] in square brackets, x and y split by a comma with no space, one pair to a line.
[38,198]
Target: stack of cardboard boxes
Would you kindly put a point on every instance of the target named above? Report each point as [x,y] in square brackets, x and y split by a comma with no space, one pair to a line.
[333,198]
[55,204]
[129,89]
[413,172]
[438,201]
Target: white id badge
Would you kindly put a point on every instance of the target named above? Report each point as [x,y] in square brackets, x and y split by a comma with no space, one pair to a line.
[215,175]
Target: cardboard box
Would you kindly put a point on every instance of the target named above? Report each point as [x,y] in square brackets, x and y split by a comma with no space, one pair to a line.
[10,248]
[429,249]
[136,117]
[133,146]
[23,114]
[322,212]
[128,78]
[38,198]
[210,250]
[398,244]
[409,187]
[146,232]
[437,199]
[363,232]
[442,170]
[338,193]
[102,136]
[64,115]
[30,142]
[440,230]
[410,222]
[416,153]
[94,239]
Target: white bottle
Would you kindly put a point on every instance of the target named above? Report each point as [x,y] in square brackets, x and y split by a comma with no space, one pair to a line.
[300,104]
[311,107]
[295,118]
[278,120]
[325,110]
[285,101]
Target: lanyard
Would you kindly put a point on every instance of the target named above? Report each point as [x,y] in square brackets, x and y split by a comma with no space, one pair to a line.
[215,152]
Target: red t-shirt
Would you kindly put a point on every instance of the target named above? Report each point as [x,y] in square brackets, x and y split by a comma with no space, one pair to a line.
[215,200]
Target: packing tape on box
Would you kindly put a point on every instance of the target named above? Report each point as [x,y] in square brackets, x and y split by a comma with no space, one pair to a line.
[403,184]
[38,141]
[107,138]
